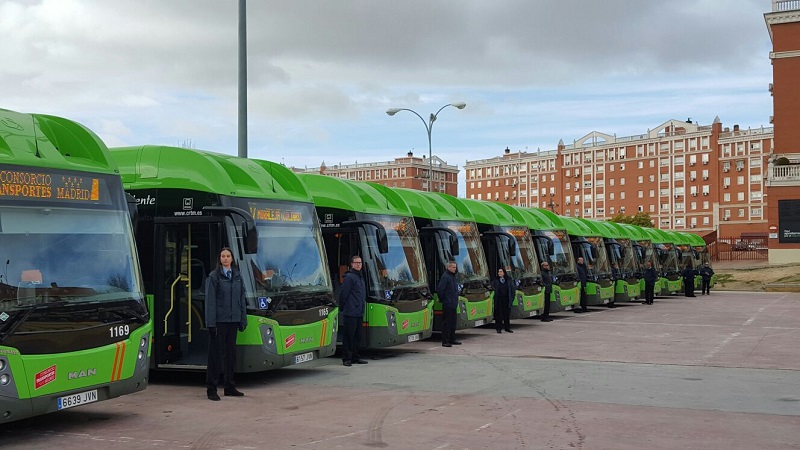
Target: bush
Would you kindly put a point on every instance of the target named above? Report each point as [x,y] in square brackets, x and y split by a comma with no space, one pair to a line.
[782,161]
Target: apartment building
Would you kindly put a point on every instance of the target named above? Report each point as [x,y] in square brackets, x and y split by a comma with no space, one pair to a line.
[783,175]
[687,176]
[407,172]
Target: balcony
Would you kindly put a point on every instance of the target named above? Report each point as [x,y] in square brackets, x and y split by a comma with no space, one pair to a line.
[784,174]
[785,5]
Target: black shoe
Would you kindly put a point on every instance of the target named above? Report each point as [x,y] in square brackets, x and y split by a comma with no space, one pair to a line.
[213,396]
[546,319]
[509,330]
[456,342]
[362,361]
[232,392]
[577,311]
[446,345]
[498,331]
[611,305]
[347,363]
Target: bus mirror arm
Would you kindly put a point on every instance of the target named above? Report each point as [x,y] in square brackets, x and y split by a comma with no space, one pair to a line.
[453,240]
[249,231]
[380,232]
[512,242]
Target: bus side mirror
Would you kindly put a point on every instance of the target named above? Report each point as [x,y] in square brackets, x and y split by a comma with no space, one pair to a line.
[383,240]
[250,236]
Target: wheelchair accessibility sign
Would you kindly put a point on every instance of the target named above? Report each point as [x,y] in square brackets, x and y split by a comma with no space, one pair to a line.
[263,302]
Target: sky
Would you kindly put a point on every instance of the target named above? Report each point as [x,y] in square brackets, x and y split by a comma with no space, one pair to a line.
[321,74]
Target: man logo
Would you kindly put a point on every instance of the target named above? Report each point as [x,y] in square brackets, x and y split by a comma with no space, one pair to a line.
[81,374]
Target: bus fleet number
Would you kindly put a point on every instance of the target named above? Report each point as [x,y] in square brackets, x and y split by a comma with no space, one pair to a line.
[120,331]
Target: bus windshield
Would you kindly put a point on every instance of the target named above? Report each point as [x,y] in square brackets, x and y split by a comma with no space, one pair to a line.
[561,259]
[470,260]
[668,257]
[401,266]
[524,264]
[289,257]
[53,255]
[650,255]
[629,264]
[601,266]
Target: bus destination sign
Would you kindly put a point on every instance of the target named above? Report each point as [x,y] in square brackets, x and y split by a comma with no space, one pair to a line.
[263,214]
[41,185]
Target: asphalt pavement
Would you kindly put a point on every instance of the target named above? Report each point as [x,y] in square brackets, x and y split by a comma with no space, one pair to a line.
[711,372]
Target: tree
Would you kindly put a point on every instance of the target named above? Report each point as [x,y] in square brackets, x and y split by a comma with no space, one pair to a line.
[641,219]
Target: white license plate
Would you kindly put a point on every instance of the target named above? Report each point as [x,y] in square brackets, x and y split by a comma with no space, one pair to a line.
[78,399]
[305,357]
[413,337]
[532,313]
[479,322]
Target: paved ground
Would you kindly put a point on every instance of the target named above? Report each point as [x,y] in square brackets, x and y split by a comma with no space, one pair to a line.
[714,372]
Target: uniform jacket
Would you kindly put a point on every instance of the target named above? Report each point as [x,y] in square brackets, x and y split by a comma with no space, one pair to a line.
[225,300]
[510,290]
[353,294]
[688,274]
[448,290]
[547,281]
[650,275]
[582,273]
[706,273]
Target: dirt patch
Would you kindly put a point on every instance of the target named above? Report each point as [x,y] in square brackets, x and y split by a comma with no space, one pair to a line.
[755,278]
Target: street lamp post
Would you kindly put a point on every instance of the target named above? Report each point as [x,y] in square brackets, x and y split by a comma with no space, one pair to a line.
[428,128]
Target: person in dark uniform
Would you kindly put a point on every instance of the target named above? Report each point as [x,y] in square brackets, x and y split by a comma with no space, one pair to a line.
[706,272]
[226,312]
[547,282]
[650,278]
[448,295]
[352,297]
[615,275]
[582,278]
[504,291]
[688,280]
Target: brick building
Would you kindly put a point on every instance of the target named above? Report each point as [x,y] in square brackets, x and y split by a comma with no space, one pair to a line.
[686,176]
[406,172]
[783,176]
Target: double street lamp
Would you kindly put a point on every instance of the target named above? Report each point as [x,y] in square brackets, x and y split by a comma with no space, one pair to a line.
[428,128]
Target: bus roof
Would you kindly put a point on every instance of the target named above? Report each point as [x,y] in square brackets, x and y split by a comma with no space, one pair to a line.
[532,220]
[680,238]
[435,205]
[349,195]
[660,236]
[576,227]
[596,227]
[491,213]
[41,140]
[164,167]
[696,240]
[636,232]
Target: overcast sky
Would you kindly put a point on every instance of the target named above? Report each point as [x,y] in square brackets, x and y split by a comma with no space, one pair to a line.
[322,73]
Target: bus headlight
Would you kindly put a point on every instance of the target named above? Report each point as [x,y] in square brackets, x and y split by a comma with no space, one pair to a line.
[2,364]
[143,342]
[141,355]
[4,379]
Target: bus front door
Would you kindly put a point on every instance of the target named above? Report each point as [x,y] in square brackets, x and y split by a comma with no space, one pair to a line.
[188,252]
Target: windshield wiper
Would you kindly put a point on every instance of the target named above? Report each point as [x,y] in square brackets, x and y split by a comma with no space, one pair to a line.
[125,312]
[15,321]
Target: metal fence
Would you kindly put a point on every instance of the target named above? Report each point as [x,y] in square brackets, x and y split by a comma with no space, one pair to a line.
[739,249]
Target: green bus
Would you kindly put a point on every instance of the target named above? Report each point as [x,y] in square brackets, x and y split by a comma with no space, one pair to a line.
[668,262]
[372,221]
[553,245]
[700,256]
[507,244]
[588,242]
[448,232]
[192,203]
[628,287]
[74,324]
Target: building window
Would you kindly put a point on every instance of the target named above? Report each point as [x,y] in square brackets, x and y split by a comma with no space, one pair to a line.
[641,194]
[726,197]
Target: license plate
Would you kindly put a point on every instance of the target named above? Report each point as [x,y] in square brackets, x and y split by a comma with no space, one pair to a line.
[78,399]
[532,313]
[479,322]
[413,337]
[305,357]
